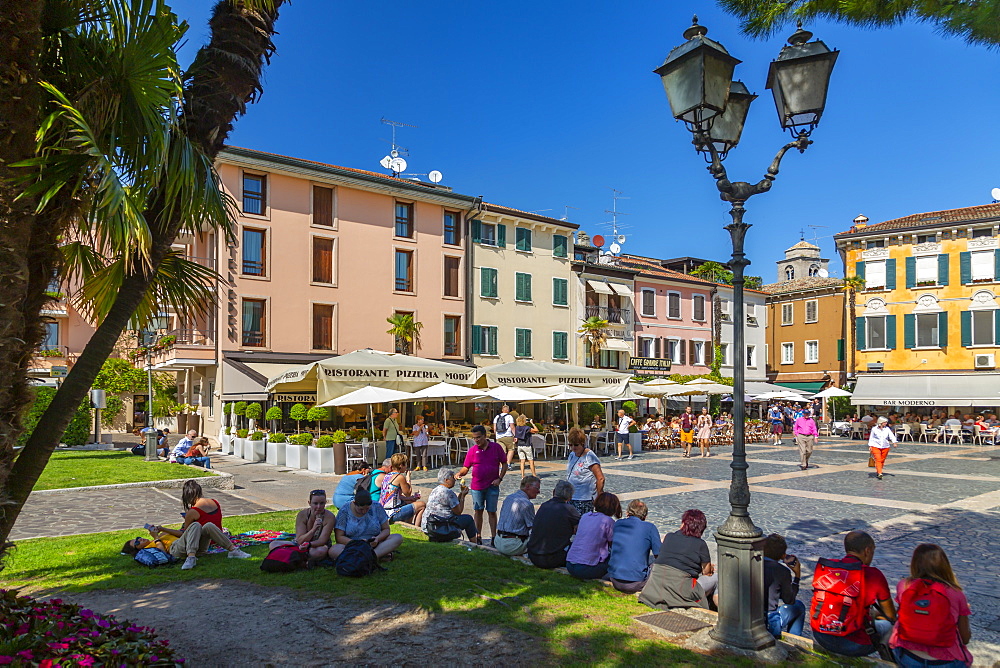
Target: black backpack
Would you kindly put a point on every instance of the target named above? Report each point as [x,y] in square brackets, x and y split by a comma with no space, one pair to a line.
[357,560]
[365,481]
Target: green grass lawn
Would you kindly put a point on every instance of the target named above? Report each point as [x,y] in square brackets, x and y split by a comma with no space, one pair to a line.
[579,622]
[105,467]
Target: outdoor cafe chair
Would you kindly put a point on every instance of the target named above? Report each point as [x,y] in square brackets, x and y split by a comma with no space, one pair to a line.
[903,432]
[858,430]
[953,432]
[358,452]
[927,433]
[436,449]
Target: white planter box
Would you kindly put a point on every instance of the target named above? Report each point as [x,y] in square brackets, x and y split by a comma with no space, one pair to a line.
[321,460]
[296,455]
[226,441]
[276,453]
[238,446]
[635,440]
[253,451]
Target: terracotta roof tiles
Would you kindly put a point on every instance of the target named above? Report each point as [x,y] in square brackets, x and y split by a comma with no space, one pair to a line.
[968,214]
[799,284]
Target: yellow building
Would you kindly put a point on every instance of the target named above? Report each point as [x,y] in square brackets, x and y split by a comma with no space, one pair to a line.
[926,328]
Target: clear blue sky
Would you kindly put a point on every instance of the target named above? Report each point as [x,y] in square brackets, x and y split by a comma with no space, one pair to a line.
[537,105]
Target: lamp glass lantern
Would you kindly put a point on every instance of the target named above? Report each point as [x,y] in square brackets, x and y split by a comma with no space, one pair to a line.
[799,79]
[696,77]
[728,126]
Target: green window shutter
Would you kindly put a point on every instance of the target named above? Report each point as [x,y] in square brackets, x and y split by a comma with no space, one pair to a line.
[911,273]
[859,269]
[996,265]
[840,350]
[494,287]
[996,326]
[966,328]
[560,290]
[943,269]
[527,287]
[859,333]
[477,333]
[477,231]
[943,329]
[909,330]
[522,342]
[527,343]
[965,267]
[485,282]
[501,236]
[560,345]
[559,245]
[890,332]
[890,274]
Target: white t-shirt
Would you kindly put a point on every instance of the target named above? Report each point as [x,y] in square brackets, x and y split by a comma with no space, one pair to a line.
[624,422]
[868,418]
[503,425]
[953,422]
[881,437]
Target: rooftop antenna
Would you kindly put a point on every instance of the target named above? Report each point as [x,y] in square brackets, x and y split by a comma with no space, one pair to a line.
[539,210]
[815,233]
[566,208]
[617,239]
[395,163]
[995,193]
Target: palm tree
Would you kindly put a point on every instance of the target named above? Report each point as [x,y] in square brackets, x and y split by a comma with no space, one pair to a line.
[405,331]
[713,271]
[125,161]
[975,22]
[595,333]
[852,284]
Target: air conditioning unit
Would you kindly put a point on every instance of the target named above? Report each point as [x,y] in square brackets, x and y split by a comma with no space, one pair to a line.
[876,367]
[985,361]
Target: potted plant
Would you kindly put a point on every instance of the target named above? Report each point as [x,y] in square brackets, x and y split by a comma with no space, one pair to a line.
[297,450]
[226,441]
[241,440]
[254,412]
[316,415]
[276,444]
[253,448]
[321,456]
[239,410]
[298,412]
[275,415]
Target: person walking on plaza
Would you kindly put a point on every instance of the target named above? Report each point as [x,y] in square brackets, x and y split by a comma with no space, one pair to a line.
[421,437]
[687,430]
[583,471]
[488,463]
[517,516]
[503,429]
[776,417]
[391,433]
[622,433]
[522,435]
[880,440]
[806,437]
[705,433]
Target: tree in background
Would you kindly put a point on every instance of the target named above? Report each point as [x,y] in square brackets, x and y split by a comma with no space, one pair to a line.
[240,411]
[119,376]
[406,331]
[78,431]
[595,332]
[714,272]
[852,285]
[275,415]
[975,21]
[318,414]
[254,413]
[299,412]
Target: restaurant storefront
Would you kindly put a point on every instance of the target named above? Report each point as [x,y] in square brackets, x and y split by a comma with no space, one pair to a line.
[922,393]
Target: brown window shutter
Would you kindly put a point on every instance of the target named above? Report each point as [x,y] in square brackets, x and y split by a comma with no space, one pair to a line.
[683,351]
[322,206]
[709,353]
[658,346]
[691,353]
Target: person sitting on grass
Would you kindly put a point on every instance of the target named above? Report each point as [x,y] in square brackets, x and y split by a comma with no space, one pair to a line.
[517,515]
[202,526]
[633,541]
[375,484]
[445,506]
[364,520]
[347,486]
[198,454]
[587,558]
[555,524]
[398,498]
[683,575]
[313,525]
[162,444]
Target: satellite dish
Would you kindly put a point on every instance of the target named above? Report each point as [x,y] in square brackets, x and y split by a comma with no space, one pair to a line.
[621,239]
[394,153]
[435,176]
[598,240]
[615,248]
[397,165]
[996,193]
[823,273]
[385,162]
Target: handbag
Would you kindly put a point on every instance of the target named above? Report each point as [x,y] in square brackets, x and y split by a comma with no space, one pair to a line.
[442,529]
[871,461]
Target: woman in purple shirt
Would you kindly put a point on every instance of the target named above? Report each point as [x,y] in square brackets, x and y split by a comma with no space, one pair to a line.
[587,558]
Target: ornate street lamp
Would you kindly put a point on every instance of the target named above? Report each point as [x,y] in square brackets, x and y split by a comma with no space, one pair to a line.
[714,108]
[147,338]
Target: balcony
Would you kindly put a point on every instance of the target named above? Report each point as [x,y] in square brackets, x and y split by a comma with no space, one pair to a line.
[614,316]
[188,347]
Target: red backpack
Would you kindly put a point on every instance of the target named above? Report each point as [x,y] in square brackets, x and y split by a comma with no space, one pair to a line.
[925,614]
[837,606]
[286,558]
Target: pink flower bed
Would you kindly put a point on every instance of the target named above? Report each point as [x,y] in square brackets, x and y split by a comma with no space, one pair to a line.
[53,633]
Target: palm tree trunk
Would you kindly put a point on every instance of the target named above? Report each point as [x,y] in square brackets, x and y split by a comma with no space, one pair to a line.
[852,309]
[226,75]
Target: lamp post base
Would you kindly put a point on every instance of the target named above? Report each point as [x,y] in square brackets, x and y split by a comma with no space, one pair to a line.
[741,594]
[151,447]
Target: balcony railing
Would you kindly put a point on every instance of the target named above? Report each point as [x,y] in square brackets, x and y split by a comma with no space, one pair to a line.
[191,337]
[615,316]
[46,350]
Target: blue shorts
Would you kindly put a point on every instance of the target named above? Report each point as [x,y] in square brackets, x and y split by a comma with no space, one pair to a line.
[621,438]
[486,499]
[402,513]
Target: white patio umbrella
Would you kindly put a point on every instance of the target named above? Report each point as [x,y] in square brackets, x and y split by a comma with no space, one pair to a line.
[569,394]
[706,386]
[445,391]
[832,391]
[507,393]
[769,395]
[660,381]
[369,395]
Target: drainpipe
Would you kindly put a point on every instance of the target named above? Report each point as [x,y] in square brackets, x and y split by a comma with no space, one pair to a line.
[475,211]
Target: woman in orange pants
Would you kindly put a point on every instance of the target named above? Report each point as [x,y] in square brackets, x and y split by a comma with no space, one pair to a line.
[880,441]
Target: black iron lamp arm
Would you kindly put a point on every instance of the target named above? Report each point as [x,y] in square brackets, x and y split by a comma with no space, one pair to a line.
[740,191]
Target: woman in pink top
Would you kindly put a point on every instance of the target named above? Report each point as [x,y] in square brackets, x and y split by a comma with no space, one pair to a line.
[933,620]
[587,558]
[806,436]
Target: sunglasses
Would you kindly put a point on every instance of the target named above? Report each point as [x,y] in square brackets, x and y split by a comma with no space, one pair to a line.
[318,492]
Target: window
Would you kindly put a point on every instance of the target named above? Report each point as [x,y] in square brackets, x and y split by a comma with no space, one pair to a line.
[522,287]
[484,340]
[51,339]
[724,349]
[560,345]
[608,359]
[522,239]
[254,251]
[874,275]
[875,332]
[211,398]
[751,309]
[488,283]
[787,353]
[927,330]
[254,194]
[404,220]
[647,346]
[698,307]
[673,351]
[983,265]
[404,271]
[786,314]
[875,243]
[322,327]
[812,310]
[254,323]
[814,270]
[982,232]
[673,305]
[560,292]
[452,335]
[522,342]
[451,276]
[982,327]
[322,206]
[648,302]
[751,356]
[698,352]
[812,351]
[322,260]
[789,273]
[488,234]
[926,269]
[560,244]
[926,238]
[452,235]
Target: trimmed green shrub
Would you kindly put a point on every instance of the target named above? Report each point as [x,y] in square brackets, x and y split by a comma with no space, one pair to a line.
[589,410]
[227,431]
[254,411]
[78,431]
[305,438]
[277,438]
[274,413]
[299,412]
[242,433]
[317,414]
[325,441]
[257,436]
[630,407]
[339,436]
[227,408]
[240,409]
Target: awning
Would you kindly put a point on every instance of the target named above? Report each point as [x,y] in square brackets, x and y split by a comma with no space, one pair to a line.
[953,389]
[600,287]
[811,387]
[621,290]
[616,344]
[241,383]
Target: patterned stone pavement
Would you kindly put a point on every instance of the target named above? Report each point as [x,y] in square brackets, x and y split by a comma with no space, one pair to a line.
[947,494]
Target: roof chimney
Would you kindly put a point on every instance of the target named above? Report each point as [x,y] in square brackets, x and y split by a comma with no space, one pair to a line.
[860,222]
